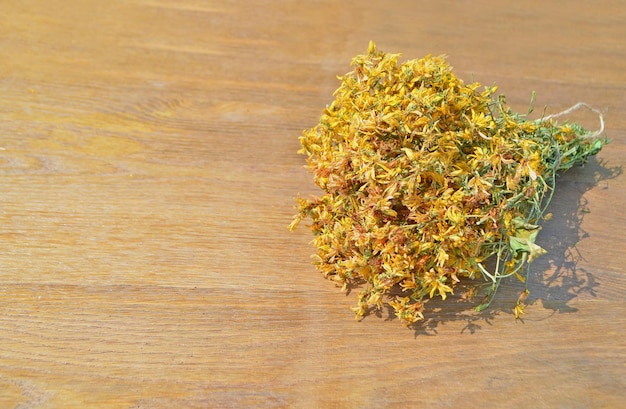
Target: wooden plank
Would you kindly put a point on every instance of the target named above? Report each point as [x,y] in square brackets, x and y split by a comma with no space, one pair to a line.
[148,168]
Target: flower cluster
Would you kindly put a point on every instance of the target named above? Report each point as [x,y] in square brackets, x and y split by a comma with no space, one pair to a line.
[424,178]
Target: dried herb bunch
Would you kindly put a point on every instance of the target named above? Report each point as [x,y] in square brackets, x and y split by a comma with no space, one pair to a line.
[426,177]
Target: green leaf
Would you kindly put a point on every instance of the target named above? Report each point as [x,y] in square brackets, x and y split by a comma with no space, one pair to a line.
[524,240]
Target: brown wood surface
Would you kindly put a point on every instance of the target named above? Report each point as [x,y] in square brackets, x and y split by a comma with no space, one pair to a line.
[148,168]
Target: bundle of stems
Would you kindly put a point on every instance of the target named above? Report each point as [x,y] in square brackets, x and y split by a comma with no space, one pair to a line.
[424,178]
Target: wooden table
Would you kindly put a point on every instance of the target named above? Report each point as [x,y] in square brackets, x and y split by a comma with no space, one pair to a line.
[148,168]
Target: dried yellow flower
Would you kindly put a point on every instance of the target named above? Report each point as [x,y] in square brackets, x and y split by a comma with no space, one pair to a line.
[424,178]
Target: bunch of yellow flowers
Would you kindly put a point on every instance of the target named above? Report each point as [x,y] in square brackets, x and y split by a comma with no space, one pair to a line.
[424,178]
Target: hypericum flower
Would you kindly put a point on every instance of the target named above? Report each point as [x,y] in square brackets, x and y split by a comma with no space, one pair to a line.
[424,177]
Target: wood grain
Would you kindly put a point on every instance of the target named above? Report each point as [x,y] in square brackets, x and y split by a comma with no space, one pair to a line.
[148,168]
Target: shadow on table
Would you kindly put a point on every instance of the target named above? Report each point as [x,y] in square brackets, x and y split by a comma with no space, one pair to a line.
[554,279]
